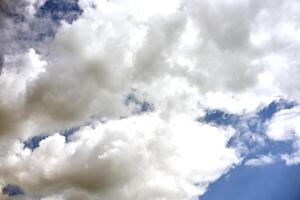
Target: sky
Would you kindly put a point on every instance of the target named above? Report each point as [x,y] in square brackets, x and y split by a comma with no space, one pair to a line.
[149,100]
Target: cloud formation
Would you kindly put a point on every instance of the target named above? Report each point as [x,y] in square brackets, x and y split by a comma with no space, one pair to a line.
[261,160]
[111,50]
[285,127]
[142,157]
[180,57]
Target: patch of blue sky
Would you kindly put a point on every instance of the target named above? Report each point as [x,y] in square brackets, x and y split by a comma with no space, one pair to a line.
[274,181]
[220,117]
[46,21]
[69,132]
[269,182]
[58,10]
[34,142]
[250,129]
[275,106]
[53,12]
[140,105]
[12,190]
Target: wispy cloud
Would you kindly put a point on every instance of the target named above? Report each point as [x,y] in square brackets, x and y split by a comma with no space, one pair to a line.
[261,160]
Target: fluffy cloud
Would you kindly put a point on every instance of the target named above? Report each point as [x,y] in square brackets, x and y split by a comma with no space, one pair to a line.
[181,57]
[142,157]
[19,70]
[198,60]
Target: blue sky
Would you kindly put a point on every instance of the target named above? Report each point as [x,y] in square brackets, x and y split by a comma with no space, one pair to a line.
[138,99]
[275,181]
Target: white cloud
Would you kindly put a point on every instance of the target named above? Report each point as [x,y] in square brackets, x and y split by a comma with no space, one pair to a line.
[181,56]
[142,157]
[260,161]
[284,126]
[20,69]
[108,52]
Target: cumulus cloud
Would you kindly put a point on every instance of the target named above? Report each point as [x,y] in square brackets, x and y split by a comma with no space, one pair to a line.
[19,70]
[191,56]
[142,157]
[181,57]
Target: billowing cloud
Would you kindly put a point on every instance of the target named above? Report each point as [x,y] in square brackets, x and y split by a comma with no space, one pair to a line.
[147,71]
[142,157]
[191,56]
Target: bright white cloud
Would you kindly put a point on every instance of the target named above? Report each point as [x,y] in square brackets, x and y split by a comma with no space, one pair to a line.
[261,160]
[142,157]
[285,125]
